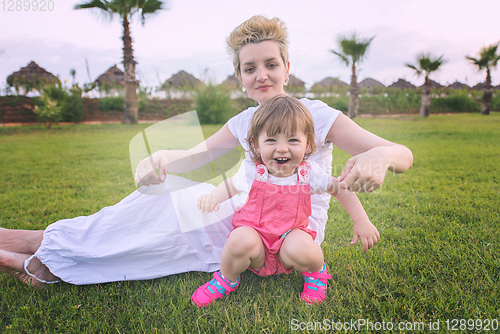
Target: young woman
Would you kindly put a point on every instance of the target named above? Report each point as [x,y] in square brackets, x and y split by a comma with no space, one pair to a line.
[140,237]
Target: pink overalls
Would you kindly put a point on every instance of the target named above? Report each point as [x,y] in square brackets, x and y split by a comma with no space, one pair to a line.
[273,211]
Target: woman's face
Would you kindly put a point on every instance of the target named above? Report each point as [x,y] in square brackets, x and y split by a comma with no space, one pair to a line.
[263,72]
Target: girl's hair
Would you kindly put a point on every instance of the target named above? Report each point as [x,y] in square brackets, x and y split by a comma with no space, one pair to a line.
[281,114]
[257,29]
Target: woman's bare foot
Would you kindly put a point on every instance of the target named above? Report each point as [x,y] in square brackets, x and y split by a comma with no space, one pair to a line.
[13,264]
[20,241]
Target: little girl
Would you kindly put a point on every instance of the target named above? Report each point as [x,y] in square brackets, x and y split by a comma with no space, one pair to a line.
[271,234]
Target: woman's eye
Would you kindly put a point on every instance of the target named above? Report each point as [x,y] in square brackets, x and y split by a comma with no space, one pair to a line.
[249,69]
[272,65]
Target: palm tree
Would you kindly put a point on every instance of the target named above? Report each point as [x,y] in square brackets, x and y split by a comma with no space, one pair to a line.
[426,65]
[352,51]
[488,59]
[126,9]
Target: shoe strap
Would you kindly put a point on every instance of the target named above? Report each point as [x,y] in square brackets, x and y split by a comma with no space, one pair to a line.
[317,275]
[223,283]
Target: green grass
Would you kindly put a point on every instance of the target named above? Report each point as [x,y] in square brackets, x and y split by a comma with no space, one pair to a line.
[438,257]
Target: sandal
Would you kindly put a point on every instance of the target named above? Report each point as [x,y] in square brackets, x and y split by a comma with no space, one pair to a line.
[214,289]
[315,286]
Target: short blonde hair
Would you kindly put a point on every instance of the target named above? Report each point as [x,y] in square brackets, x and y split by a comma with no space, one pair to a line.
[257,29]
[281,114]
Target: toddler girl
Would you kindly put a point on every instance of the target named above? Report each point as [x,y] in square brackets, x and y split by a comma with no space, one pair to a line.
[271,234]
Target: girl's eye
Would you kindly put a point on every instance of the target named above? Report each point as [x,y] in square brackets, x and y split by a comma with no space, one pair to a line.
[270,140]
[294,140]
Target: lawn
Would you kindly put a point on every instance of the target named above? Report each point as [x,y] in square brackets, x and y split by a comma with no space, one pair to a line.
[438,259]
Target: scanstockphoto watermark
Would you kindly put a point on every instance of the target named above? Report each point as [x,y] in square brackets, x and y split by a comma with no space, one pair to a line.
[27,5]
[358,325]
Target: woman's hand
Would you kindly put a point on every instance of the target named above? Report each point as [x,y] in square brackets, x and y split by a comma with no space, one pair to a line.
[145,173]
[365,172]
[208,203]
[367,232]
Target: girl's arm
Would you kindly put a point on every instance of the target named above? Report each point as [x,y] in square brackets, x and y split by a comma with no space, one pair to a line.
[211,202]
[372,156]
[182,161]
[363,228]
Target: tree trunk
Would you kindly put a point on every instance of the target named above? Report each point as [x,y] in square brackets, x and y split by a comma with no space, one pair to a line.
[353,95]
[130,109]
[426,98]
[487,94]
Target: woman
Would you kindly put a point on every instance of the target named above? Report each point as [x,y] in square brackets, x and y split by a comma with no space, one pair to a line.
[141,237]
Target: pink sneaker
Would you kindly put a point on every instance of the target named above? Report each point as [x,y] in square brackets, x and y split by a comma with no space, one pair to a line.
[315,286]
[212,290]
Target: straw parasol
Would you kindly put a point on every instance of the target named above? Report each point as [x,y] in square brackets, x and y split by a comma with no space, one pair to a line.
[370,83]
[296,83]
[458,85]
[328,82]
[433,84]
[31,74]
[113,76]
[231,82]
[182,79]
[403,84]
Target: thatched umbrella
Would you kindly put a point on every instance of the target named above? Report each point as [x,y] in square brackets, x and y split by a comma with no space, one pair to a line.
[403,84]
[113,76]
[295,82]
[458,85]
[479,86]
[182,79]
[328,83]
[370,83]
[433,84]
[231,82]
[31,76]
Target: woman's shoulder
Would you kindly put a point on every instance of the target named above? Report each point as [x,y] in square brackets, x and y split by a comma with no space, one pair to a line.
[240,123]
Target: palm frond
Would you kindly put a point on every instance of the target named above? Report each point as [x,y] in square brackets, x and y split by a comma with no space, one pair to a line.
[342,56]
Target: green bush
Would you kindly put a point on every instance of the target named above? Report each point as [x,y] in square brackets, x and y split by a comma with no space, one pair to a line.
[72,106]
[112,103]
[337,102]
[116,103]
[213,105]
[454,104]
[495,103]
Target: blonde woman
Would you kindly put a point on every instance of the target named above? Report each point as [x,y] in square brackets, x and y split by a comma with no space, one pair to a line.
[120,243]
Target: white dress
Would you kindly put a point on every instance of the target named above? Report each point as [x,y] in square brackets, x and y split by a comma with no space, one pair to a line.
[146,237]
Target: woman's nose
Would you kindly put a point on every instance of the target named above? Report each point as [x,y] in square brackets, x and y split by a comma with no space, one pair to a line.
[261,74]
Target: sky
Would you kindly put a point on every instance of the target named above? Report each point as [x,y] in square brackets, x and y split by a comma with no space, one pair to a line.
[190,35]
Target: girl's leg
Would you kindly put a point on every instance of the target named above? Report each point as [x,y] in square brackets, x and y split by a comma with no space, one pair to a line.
[243,249]
[302,253]
[20,241]
[299,251]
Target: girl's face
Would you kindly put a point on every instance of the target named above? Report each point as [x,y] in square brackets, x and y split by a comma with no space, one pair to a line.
[282,153]
[263,72]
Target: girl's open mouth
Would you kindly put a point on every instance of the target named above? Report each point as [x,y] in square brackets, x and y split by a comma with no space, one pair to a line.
[281,161]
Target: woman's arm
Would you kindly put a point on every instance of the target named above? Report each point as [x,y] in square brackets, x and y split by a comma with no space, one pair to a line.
[365,171]
[181,161]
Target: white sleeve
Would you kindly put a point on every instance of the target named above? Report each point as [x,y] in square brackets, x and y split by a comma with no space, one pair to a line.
[240,179]
[318,178]
[323,117]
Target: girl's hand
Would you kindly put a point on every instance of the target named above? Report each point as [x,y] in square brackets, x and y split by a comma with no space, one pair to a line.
[145,173]
[367,232]
[208,203]
[365,172]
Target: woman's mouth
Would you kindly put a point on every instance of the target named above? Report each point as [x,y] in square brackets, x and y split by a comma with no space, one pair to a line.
[264,87]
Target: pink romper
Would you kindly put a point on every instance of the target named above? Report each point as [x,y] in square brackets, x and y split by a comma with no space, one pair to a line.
[273,211]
